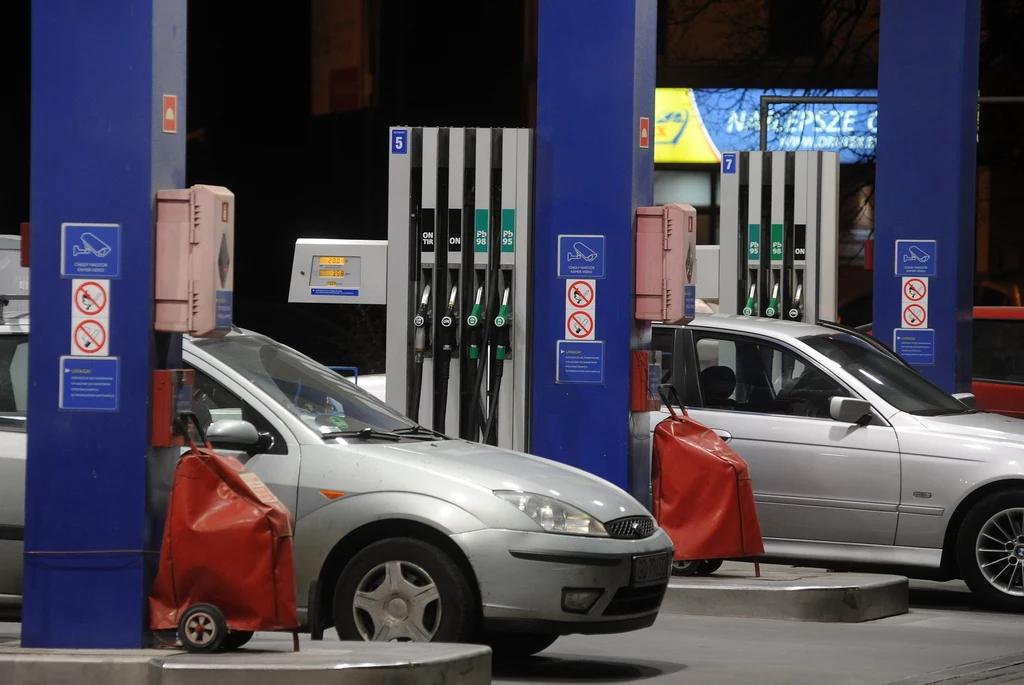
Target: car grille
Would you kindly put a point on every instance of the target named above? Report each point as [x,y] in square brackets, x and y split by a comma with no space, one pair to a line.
[630,528]
[630,600]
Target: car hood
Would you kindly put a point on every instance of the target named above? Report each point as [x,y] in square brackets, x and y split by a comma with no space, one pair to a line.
[492,468]
[981,437]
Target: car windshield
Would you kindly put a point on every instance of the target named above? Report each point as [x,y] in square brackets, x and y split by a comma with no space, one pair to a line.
[323,400]
[891,379]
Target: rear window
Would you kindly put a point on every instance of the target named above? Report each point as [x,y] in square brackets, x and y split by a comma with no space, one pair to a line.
[999,350]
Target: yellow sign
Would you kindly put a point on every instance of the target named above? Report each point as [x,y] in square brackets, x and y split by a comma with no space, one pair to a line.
[679,133]
[332,273]
[333,261]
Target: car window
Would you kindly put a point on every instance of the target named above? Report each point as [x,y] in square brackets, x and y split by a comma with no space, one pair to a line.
[999,350]
[212,402]
[892,380]
[319,397]
[747,375]
[13,382]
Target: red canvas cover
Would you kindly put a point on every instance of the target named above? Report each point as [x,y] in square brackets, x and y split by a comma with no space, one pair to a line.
[703,497]
[227,542]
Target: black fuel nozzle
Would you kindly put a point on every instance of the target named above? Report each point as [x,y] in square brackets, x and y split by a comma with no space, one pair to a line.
[796,308]
[419,321]
[448,322]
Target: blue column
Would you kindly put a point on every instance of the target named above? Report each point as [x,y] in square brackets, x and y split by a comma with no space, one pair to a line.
[595,80]
[925,181]
[99,71]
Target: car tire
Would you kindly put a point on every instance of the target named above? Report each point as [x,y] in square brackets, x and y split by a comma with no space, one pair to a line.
[506,647]
[708,566]
[690,567]
[994,529]
[406,590]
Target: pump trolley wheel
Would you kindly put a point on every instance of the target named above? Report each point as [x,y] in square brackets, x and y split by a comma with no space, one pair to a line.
[202,629]
[690,567]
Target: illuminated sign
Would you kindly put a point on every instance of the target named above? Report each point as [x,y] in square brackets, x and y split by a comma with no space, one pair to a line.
[332,261]
[693,126]
[332,273]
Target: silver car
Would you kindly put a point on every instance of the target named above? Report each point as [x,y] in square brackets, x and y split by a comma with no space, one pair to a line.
[410,535]
[856,459]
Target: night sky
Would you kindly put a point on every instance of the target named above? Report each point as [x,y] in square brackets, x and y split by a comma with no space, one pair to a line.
[454,63]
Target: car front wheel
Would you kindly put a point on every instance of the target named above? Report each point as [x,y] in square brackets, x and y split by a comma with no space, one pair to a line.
[990,550]
[403,590]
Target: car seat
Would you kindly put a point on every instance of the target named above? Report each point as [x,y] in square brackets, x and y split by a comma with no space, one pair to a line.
[718,384]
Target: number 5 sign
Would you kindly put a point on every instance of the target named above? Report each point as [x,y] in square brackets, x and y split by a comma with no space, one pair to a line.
[400,141]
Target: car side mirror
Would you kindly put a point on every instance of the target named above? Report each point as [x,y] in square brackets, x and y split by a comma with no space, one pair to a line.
[232,434]
[850,410]
[968,399]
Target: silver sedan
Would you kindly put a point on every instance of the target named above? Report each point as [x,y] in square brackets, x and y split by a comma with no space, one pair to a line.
[856,459]
[401,533]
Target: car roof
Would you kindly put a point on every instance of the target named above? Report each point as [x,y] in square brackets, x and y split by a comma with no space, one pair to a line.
[774,328]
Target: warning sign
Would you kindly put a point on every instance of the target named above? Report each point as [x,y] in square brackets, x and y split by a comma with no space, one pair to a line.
[645,132]
[580,294]
[91,297]
[170,114]
[89,338]
[914,316]
[915,289]
[580,326]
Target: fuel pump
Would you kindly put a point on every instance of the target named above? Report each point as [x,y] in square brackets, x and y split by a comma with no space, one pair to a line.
[778,251]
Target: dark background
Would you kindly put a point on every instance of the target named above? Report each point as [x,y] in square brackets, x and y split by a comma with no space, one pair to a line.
[454,63]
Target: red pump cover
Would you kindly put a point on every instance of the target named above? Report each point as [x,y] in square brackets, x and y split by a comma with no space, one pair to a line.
[703,496]
[227,542]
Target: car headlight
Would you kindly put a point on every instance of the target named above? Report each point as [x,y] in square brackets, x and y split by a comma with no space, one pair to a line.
[553,515]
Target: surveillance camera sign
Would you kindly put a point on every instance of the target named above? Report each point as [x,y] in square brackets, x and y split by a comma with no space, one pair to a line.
[581,256]
[90,250]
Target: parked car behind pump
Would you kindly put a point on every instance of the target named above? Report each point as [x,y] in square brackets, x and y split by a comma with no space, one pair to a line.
[856,459]
[998,359]
[413,536]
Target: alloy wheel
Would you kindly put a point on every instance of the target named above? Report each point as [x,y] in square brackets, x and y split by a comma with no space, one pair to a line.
[1000,551]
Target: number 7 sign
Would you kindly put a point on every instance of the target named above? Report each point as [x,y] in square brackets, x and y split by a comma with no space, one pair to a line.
[729,163]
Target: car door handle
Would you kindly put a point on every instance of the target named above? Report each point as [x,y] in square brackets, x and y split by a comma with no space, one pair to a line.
[726,436]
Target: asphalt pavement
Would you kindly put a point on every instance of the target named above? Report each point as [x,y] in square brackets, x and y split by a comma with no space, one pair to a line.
[946,638]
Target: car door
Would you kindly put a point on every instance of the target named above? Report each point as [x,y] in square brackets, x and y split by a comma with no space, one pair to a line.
[216,397]
[13,413]
[814,479]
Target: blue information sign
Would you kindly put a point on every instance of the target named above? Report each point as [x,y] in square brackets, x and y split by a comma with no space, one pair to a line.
[729,163]
[400,142]
[916,346]
[90,250]
[89,384]
[225,308]
[580,361]
[581,256]
[915,257]
[335,292]
[689,301]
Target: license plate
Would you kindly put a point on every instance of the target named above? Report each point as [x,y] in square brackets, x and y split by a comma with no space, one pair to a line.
[651,569]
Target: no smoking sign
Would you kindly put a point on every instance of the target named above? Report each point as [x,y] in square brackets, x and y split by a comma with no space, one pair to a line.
[90,317]
[580,300]
[914,312]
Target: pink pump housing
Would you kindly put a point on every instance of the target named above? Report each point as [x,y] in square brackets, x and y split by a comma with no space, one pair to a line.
[666,253]
[195,270]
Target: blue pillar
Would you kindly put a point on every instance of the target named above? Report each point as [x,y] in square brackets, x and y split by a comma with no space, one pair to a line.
[595,80]
[99,71]
[925,181]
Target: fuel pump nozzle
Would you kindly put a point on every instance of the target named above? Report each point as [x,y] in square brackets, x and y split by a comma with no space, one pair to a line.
[443,359]
[773,304]
[419,344]
[796,308]
[751,308]
[500,352]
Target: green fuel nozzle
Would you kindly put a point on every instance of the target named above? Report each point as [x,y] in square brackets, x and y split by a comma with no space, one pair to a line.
[473,321]
[501,323]
[751,307]
[773,304]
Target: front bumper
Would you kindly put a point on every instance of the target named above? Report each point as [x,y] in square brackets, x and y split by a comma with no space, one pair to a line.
[522,574]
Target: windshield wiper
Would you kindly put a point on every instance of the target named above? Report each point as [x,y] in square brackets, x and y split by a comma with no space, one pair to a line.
[363,434]
[421,431]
